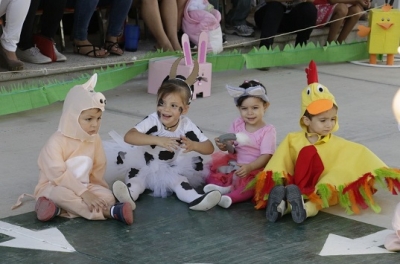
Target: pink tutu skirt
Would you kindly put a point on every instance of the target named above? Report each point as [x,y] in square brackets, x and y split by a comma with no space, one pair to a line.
[219,159]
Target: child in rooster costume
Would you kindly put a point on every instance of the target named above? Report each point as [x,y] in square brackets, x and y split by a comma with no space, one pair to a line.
[313,169]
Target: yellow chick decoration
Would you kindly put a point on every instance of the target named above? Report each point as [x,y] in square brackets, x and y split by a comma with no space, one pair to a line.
[384,33]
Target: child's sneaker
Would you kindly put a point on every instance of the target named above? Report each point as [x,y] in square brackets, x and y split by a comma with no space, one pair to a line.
[241,30]
[46,209]
[206,201]
[275,198]
[122,212]
[296,201]
[122,193]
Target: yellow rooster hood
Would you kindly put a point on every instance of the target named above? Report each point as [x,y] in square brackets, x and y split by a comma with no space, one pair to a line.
[315,98]
[79,98]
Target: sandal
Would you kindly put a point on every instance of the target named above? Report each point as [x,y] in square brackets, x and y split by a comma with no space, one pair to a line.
[91,53]
[113,48]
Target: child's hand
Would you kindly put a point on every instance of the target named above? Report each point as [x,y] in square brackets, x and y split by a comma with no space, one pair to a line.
[222,145]
[244,170]
[94,202]
[169,143]
[187,144]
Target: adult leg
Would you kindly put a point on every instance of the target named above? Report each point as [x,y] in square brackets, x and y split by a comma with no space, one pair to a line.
[236,19]
[303,15]
[118,13]
[339,12]
[152,18]
[268,18]
[26,38]
[238,13]
[350,22]
[84,10]
[169,15]
[181,7]
[53,12]
[16,11]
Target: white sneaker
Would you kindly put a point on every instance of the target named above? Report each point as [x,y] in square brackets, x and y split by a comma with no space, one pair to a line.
[60,56]
[32,55]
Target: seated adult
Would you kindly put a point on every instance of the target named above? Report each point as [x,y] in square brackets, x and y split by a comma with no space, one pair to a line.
[282,16]
[164,19]
[235,20]
[15,10]
[40,48]
[84,9]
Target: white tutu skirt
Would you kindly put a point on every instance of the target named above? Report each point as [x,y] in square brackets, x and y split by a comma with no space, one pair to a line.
[126,162]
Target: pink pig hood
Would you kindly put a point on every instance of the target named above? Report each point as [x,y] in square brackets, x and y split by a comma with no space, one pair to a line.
[79,98]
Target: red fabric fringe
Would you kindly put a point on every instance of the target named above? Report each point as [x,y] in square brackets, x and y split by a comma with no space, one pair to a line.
[264,185]
[354,192]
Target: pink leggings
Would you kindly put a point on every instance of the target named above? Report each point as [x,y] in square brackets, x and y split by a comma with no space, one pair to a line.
[236,194]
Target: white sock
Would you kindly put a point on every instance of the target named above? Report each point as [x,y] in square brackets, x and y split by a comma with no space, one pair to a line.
[225,201]
[214,187]
[281,208]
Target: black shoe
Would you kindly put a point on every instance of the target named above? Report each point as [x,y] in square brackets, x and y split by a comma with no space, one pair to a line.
[295,199]
[276,196]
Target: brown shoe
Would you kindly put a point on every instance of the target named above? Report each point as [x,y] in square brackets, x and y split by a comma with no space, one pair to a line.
[11,65]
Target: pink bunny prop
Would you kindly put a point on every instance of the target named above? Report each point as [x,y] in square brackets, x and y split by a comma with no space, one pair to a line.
[200,16]
[159,68]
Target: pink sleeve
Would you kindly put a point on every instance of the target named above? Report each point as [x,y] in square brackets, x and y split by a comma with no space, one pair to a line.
[268,142]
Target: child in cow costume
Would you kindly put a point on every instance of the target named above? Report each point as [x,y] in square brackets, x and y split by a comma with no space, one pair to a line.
[166,146]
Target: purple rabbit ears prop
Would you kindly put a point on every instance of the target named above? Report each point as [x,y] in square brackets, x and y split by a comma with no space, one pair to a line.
[256,91]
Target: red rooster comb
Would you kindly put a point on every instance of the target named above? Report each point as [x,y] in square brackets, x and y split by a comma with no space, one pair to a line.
[312,74]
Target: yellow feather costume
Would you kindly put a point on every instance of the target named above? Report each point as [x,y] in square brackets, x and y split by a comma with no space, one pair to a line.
[332,170]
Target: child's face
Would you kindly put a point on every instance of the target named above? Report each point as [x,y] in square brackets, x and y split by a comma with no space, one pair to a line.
[252,110]
[170,108]
[321,124]
[90,120]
